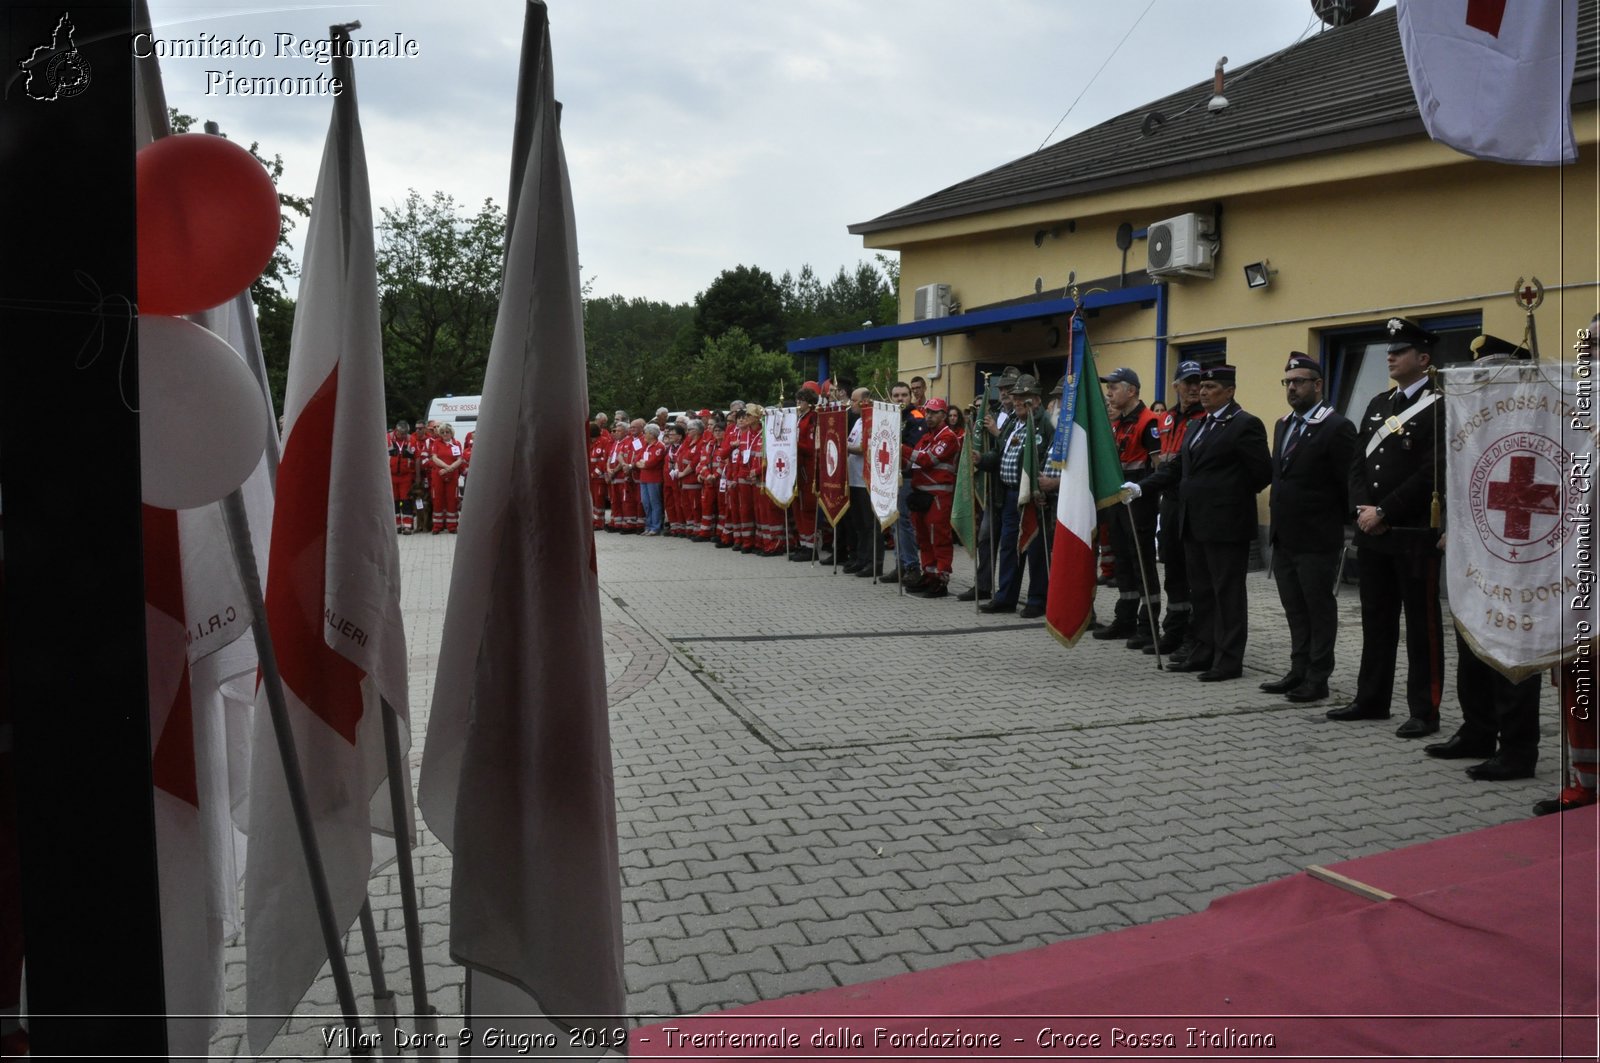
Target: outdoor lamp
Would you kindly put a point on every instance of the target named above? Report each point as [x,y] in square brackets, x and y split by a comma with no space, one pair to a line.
[1259,274]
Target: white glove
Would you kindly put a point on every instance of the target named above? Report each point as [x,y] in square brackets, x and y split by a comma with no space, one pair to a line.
[1130,491]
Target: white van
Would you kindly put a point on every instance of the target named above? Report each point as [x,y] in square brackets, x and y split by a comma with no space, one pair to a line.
[460,411]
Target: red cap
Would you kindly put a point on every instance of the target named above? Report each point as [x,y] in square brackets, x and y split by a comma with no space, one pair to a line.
[935,405]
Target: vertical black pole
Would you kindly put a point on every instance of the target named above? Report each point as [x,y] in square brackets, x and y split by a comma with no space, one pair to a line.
[74,590]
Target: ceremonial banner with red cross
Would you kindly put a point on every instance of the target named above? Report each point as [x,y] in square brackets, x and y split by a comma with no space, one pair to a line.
[883,461]
[783,454]
[1519,458]
[833,489]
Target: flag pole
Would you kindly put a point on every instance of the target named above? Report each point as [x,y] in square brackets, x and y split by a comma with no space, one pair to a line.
[1144,584]
[238,526]
[424,1014]
[382,996]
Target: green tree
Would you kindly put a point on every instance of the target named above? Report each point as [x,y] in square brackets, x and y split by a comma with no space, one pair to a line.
[438,296]
[733,366]
[745,297]
[636,357]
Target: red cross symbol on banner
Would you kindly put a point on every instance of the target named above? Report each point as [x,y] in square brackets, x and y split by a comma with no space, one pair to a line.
[781,465]
[1486,15]
[883,458]
[1520,497]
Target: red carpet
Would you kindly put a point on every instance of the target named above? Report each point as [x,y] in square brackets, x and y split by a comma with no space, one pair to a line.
[1488,951]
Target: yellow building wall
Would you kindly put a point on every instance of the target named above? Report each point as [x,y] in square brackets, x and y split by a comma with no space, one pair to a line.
[1411,228]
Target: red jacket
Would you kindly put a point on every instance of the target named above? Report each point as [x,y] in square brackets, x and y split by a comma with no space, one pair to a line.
[933,460]
[402,456]
[652,458]
[599,456]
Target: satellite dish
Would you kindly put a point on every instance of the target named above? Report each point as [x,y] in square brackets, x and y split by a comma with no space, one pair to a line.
[1152,122]
[1343,12]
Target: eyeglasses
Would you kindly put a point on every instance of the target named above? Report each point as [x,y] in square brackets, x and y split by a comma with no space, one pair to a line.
[1291,381]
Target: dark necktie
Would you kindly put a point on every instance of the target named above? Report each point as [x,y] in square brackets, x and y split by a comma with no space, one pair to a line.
[1297,428]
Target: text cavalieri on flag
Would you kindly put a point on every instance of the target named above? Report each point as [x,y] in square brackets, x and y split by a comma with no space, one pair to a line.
[334,569]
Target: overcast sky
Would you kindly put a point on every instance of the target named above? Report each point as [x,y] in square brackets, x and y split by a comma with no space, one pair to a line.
[706,134]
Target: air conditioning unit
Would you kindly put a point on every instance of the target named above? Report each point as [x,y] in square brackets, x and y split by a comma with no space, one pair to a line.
[1183,245]
[933,300]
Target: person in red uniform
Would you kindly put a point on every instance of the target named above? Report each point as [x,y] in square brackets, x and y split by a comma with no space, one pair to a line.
[402,475]
[741,483]
[616,482]
[708,469]
[933,473]
[805,499]
[672,439]
[445,461]
[1133,527]
[649,468]
[769,533]
[466,465]
[599,452]
[1184,414]
[686,466]
[727,486]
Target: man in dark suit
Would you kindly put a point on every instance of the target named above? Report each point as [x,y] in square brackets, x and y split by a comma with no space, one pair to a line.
[1312,451]
[1392,489]
[1224,465]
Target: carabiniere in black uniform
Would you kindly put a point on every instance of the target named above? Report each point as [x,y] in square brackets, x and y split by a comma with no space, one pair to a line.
[1397,466]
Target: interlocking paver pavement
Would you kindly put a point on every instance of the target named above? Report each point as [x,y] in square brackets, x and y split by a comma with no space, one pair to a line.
[821,781]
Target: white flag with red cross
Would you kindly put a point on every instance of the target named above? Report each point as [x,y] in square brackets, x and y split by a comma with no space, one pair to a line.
[883,462]
[1519,460]
[1493,79]
[782,452]
[332,593]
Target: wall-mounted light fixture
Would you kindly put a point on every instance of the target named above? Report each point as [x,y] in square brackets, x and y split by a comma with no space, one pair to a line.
[1259,274]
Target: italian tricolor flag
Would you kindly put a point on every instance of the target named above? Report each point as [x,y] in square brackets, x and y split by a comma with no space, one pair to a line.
[1091,479]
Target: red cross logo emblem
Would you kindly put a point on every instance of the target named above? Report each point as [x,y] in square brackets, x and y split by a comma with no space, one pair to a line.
[1521,496]
[781,464]
[884,458]
[1486,15]
[1516,500]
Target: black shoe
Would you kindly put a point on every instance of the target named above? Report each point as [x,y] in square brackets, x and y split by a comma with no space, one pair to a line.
[933,590]
[1030,612]
[852,568]
[1497,770]
[722,545]
[998,607]
[1417,727]
[1283,685]
[1307,692]
[865,572]
[1171,642]
[824,559]
[1219,675]
[1458,748]
[1356,711]
[1140,641]
[1198,664]
[1117,630]
[1552,805]
[802,555]
[890,577]
[971,595]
